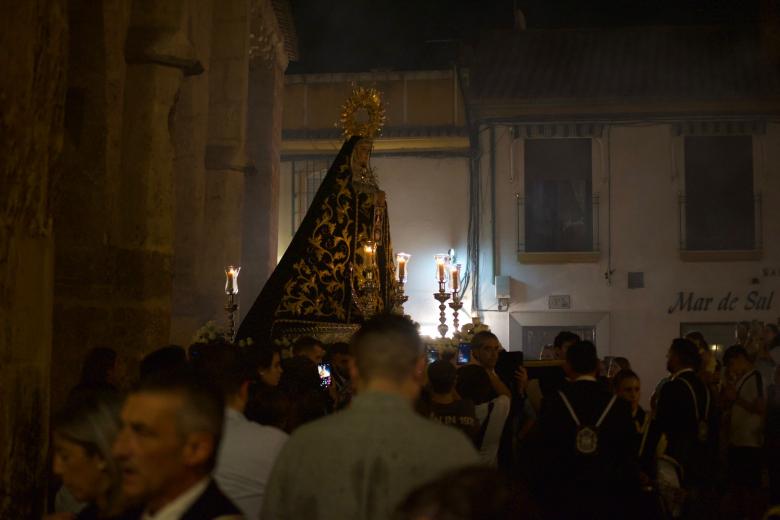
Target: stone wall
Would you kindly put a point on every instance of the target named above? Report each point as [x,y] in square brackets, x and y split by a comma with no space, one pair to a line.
[156,160]
[32,95]
[120,240]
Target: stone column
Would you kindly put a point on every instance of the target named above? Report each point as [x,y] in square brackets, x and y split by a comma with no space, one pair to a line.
[32,94]
[190,128]
[159,54]
[226,159]
[264,139]
[85,212]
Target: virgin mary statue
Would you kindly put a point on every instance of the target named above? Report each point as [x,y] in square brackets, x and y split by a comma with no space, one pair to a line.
[338,269]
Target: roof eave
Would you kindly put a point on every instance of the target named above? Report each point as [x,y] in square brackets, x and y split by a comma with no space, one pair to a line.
[616,109]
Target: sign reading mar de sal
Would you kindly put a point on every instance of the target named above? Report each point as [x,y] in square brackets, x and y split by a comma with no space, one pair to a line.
[752,301]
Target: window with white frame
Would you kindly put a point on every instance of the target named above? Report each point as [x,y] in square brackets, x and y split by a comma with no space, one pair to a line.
[307,177]
[720,208]
[559,203]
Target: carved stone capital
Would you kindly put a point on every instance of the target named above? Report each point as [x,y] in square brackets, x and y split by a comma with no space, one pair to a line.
[161,47]
[222,157]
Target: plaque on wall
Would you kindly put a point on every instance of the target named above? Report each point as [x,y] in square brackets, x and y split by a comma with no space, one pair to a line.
[559,301]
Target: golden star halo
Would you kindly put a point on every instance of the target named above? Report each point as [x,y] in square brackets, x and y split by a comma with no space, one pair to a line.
[370,100]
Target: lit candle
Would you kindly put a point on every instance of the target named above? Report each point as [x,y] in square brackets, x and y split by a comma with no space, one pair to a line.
[231,284]
[402,259]
[369,248]
[440,276]
[455,277]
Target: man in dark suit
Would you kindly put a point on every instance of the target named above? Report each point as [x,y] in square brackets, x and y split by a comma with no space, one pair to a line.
[684,415]
[590,464]
[167,448]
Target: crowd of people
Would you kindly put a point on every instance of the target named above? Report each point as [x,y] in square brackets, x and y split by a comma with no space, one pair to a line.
[222,431]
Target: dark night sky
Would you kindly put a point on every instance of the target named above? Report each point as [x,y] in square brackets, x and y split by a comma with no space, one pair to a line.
[352,35]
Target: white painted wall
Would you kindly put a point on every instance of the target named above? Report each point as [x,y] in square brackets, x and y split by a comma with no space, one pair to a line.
[645,185]
[428,210]
[427,200]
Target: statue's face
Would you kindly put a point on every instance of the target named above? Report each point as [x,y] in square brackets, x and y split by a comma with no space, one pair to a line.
[362,153]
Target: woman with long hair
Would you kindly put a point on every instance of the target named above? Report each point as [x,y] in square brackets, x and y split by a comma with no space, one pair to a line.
[267,404]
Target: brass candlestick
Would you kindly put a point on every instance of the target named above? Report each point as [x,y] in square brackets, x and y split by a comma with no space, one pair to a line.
[400,299]
[442,296]
[231,290]
[456,305]
[232,310]
[402,261]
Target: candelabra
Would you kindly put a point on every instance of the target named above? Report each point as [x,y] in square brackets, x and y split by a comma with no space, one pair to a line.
[442,296]
[231,290]
[456,305]
[442,262]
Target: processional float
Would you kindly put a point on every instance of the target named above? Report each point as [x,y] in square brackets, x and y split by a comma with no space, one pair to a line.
[339,269]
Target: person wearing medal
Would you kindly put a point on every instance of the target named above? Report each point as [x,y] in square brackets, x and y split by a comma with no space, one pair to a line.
[591,468]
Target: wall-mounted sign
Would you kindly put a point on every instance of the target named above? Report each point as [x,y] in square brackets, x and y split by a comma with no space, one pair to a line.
[559,301]
[752,301]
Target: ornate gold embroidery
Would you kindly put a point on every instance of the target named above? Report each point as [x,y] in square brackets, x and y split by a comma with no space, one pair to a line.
[317,288]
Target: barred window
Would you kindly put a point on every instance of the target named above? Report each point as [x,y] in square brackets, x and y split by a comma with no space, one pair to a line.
[307,177]
[558,195]
[719,202]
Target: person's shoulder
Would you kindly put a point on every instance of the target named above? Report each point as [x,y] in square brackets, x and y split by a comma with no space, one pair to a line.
[321,428]
[426,429]
[501,402]
[212,504]
[445,439]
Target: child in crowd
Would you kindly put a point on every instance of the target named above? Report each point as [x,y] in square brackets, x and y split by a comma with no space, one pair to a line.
[445,405]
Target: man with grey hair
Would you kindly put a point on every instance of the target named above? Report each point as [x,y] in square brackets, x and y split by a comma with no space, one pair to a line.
[362,462]
[167,448]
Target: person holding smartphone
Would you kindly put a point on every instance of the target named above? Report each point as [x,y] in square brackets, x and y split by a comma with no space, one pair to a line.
[485,349]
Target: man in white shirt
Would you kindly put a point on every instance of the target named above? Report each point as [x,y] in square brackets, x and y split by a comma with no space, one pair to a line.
[248,450]
[744,393]
[171,427]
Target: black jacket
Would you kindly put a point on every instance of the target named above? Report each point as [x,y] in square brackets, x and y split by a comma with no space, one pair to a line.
[678,419]
[210,505]
[603,483]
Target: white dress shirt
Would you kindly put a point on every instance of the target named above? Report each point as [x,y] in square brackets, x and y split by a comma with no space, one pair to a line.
[246,455]
[495,427]
[175,509]
[746,428]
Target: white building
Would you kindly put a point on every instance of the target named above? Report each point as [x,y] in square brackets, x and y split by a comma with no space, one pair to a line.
[625,183]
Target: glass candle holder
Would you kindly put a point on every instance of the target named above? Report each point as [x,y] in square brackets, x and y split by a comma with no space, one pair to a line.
[455,277]
[369,252]
[231,282]
[442,261]
[402,259]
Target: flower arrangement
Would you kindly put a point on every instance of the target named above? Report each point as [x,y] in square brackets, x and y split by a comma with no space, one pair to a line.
[212,333]
[464,335]
[208,333]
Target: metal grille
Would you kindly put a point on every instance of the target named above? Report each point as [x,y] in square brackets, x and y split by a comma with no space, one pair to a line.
[307,177]
[636,280]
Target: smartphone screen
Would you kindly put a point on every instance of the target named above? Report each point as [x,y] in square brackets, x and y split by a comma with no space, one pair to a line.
[464,353]
[324,370]
[433,355]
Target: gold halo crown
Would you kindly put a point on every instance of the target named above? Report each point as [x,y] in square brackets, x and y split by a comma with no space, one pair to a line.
[362,99]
